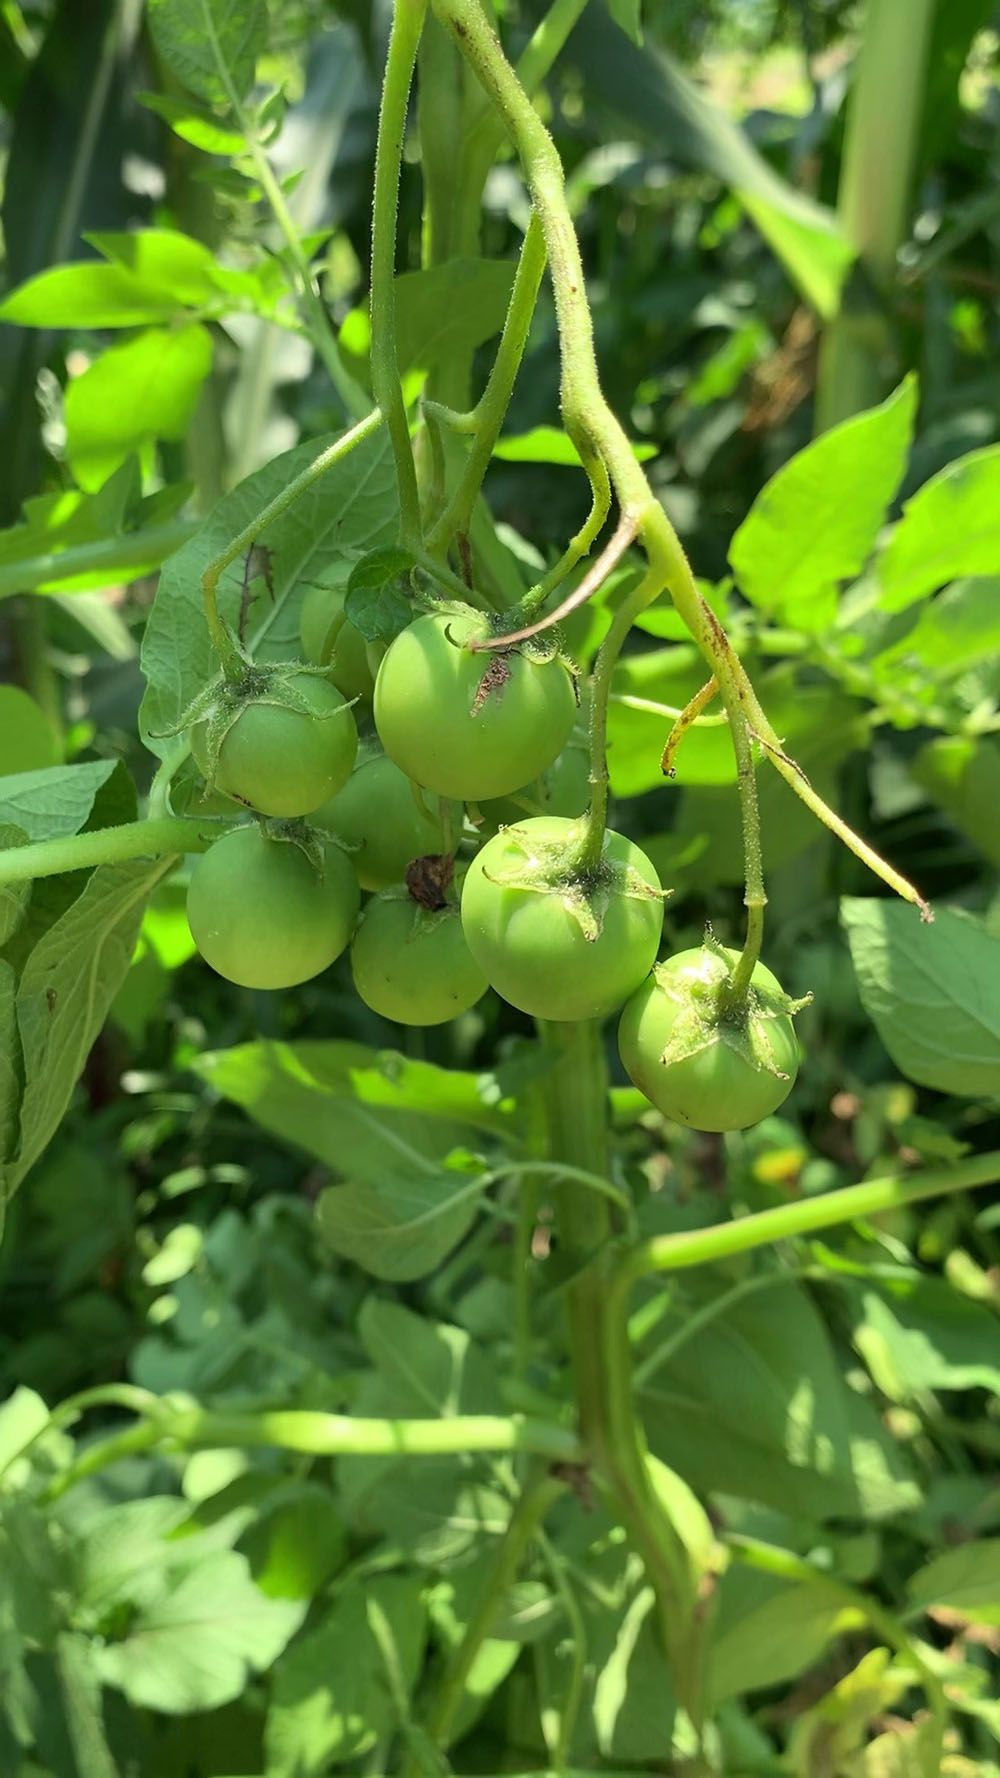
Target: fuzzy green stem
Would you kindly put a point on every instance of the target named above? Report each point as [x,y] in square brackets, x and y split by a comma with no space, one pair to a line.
[700,1247]
[487,416]
[607,659]
[106,845]
[578,545]
[330,1435]
[528,1516]
[224,644]
[404,39]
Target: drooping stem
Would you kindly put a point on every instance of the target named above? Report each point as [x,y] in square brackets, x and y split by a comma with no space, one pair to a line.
[578,545]
[607,659]
[161,838]
[487,416]
[404,38]
[223,642]
[754,897]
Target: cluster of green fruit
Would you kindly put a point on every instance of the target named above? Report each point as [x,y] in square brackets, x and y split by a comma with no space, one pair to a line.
[468,741]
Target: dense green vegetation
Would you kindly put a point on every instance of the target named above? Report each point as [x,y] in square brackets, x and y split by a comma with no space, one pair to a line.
[499,932]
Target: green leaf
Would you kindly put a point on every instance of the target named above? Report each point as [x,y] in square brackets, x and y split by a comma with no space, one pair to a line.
[660,104]
[72,541]
[816,522]
[408,1196]
[376,602]
[66,987]
[951,527]
[192,124]
[932,992]
[132,395]
[792,1431]
[211,45]
[351,508]
[441,313]
[961,773]
[58,801]
[166,259]
[953,631]
[83,296]
[22,1417]
[331,1697]
[80,1689]
[28,741]
[917,1334]
[11,1075]
[549,444]
[628,14]
[296,1542]
[966,1580]
[767,1633]
[195,1648]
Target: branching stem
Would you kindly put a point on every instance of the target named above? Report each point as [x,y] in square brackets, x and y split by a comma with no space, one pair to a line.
[163,837]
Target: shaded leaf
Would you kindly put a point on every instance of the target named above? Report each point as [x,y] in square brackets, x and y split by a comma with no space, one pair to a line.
[966,1580]
[211,45]
[950,527]
[932,992]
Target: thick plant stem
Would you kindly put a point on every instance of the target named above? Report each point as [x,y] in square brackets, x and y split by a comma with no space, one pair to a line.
[487,416]
[527,1518]
[407,23]
[880,149]
[225,645]
[576,1101]
[163,837]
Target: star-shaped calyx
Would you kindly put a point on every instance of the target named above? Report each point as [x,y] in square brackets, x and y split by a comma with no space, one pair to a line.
[709,1011]
[218,706]
[548,866]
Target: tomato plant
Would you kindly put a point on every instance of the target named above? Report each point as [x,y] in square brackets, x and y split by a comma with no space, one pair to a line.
[499,547]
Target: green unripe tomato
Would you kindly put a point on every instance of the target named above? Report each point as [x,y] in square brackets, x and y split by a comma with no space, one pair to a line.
[261,913]
[531,943]
[412,965]
[564,789]
[469,725]
[279,760]
[330,641]
[736,1072]
[378,812]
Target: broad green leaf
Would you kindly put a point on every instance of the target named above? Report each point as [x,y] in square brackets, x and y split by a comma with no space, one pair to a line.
[10,1078]
[549,444]
[444,311]
[660,104]
[192,124]
[351,509]
[816,522]
[72,541]
[80,1689]
[919,1334]
[962,775]
[211,45]
[951,527]
[55,802]
[84,296]
[952,632]
[932,992]
[14,897]
[123,1553]
[792,1431]
[28,742]
[195,1648]
[966,1580]
[767,1633]
[66,987]
[377,602]
[331,1696]
[164,257]
[131,396]
[296,1542]
[22,1417]
[408,1194]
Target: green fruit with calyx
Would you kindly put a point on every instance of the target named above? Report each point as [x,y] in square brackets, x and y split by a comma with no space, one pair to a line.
[332,641]
[558,940]
[703,1057]
[410,958]
[469,722]
[272,909]
[280,740]
[385,821]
